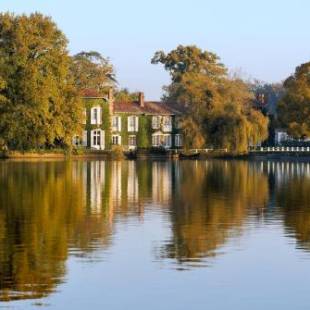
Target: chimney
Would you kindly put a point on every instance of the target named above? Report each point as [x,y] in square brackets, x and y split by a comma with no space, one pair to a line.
[141,100]
[111,101]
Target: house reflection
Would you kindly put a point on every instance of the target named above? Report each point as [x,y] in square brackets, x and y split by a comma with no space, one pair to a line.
[51,210]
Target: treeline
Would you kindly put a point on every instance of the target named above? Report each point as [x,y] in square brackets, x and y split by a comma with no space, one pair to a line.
[41,86]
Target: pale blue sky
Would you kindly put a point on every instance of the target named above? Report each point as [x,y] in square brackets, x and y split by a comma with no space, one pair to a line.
[267,39]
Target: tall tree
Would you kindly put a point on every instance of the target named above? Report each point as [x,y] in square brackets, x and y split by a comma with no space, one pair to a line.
[92,71]
[218,109]
[39,105]
[294,107]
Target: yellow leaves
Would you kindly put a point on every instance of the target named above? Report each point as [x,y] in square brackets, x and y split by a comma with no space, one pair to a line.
[39,87]
[294,108]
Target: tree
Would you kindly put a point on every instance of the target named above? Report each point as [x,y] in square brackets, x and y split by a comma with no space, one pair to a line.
[39,105]
[218,110]
[92,71]
[294,107]
[186,59]
[124,95]
[267,97]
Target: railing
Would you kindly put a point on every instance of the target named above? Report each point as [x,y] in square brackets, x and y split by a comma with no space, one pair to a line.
[279,149]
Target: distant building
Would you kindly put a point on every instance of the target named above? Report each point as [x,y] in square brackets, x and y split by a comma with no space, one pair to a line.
[281,136]
[141,123]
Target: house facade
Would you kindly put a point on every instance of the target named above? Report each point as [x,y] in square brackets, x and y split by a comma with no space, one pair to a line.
[131,125]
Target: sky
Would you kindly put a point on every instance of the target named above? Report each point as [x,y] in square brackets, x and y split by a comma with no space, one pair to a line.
[262,39]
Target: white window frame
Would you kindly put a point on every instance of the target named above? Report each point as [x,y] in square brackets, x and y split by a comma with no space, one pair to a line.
[85,138]
[156,139]
[166,141]
[95,115]
[167,123]
[116,123]
[97,139]
[84,117]
[76,141]
[132,146]
[156,120]
[133,123]
[178,140]
[116,140]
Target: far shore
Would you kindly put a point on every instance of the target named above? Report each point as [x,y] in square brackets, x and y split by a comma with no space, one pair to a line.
[108,155]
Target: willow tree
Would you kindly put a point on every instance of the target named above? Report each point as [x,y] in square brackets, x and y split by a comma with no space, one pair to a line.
[218,110]
[39,105]
[294,107]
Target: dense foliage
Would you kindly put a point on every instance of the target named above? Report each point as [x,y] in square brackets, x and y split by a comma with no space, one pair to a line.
[294,108]
[124,95]
[218,110]
[39,106]
[92,71]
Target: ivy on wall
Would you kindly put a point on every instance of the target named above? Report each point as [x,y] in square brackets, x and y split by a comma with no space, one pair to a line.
[106,122]
[144,136]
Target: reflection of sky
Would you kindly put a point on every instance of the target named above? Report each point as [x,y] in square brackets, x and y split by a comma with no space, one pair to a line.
[262,270]
[259,268]
[267,39]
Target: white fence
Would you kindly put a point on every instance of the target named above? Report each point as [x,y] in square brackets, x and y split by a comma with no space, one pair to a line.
[279,149]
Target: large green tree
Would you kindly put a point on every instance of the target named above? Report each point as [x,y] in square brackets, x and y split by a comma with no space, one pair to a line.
[294,107]
[217,108]
[92,71]
[39,105]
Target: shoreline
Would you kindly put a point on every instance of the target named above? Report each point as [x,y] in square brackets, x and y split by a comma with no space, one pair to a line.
[108,155]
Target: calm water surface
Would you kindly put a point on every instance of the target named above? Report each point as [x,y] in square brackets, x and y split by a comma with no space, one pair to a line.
[154,235]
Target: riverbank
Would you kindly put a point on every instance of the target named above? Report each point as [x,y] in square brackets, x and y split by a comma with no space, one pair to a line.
[152,155]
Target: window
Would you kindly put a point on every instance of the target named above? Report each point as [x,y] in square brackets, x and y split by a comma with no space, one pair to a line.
[167,140]
[84,142]
[132,141]
[156,140]
[76,141]
[133,123]
[84,119]
[97,138]
[178,140]
[156,122]
[116,123]
[95,115]
[116,140]
[161,140]
[167,123]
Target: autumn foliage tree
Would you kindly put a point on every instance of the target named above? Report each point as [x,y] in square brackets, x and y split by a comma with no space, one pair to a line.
[294,107]
[92,71]
[39,104]
[218,110]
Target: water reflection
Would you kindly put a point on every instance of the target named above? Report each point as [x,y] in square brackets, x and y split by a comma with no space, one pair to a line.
[50,210]
[210,203]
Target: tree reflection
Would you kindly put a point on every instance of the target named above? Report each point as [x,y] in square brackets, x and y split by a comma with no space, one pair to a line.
[210,202]
[44,209]
[50,210]
[293,200]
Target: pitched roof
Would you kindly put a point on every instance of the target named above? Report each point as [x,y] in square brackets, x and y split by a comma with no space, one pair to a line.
[90,93]
[150,107]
